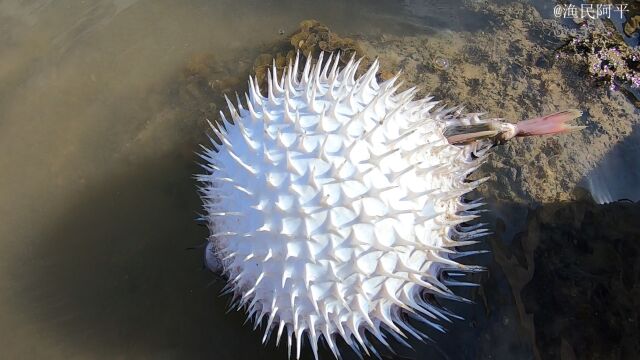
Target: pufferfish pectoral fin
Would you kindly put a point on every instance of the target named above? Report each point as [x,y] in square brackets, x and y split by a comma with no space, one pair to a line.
[464,134]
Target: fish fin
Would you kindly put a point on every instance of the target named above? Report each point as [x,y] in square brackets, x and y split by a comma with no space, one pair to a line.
[550,124]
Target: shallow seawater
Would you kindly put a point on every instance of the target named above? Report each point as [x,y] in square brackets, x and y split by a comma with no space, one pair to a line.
[99,123]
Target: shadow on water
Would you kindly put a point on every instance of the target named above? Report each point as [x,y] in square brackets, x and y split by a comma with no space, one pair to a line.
[584,292]
[618,174]
[116,279]
[562,283]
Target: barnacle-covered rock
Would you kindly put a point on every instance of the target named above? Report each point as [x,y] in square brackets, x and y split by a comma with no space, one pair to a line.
[313,37]
[310,39]
[609,59]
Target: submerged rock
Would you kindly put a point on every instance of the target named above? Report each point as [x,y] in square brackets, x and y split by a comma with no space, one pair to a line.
[311,38]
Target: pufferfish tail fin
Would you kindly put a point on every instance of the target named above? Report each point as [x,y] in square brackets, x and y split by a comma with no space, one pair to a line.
[550,124]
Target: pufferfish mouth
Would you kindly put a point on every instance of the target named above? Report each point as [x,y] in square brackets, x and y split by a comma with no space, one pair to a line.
[335,206]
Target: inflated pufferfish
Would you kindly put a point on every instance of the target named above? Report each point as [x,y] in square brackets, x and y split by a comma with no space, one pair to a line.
[335,203]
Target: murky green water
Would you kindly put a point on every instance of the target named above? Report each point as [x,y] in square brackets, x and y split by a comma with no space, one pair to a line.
[97,203]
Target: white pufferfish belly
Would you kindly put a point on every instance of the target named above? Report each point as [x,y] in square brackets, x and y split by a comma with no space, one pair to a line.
[335,206]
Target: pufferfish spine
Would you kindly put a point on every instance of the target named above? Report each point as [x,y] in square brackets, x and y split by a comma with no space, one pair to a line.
[335,205]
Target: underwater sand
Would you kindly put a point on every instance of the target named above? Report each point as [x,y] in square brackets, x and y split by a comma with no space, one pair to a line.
[102,105]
